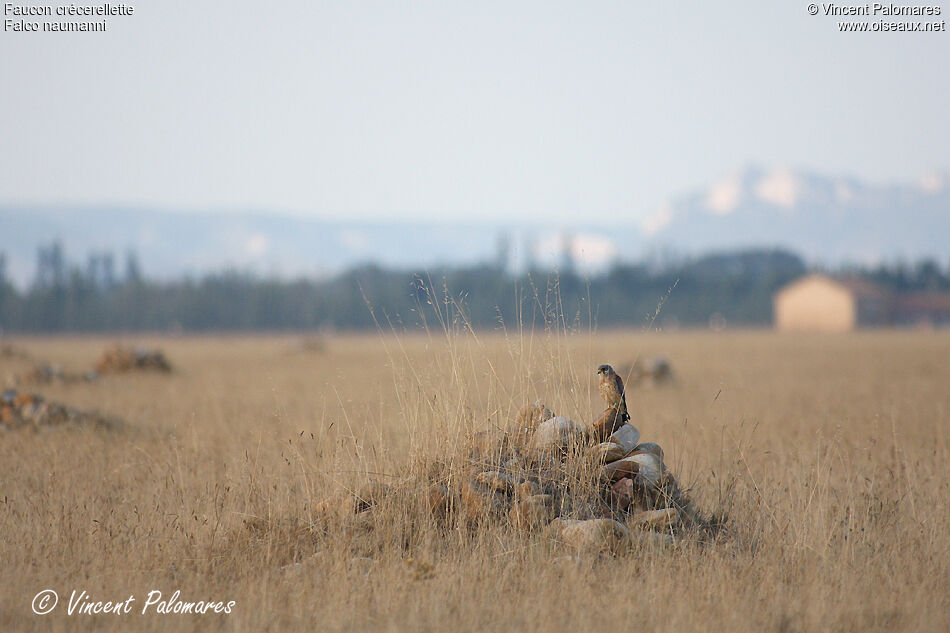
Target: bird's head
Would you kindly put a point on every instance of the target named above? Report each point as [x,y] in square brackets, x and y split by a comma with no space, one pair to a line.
[605,370]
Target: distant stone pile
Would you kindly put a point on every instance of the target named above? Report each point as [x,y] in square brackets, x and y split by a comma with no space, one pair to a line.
[48,373]
[21,410]
[593,488]
[8,350]
[652,372]
[120,359]
[116,359]
[311,345]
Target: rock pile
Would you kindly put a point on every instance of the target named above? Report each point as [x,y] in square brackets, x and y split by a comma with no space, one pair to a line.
[20,410]
[594,488]
[652,372]
[116,359]
[311,345]
[8,350]
[47,373]
[122,359]
[589,487]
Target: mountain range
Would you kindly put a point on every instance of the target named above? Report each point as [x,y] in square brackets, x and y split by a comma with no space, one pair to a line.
[828,220]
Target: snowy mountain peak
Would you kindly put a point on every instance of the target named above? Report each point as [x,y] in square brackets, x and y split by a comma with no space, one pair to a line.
[782,188]
[934,183]
[826,218]
[724,197]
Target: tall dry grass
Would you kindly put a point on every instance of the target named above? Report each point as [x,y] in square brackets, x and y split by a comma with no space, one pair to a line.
[825,454]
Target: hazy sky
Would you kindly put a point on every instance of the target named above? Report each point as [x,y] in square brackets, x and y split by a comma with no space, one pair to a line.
[459,111]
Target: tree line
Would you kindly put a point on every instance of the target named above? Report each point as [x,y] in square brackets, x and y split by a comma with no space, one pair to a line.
[728,288]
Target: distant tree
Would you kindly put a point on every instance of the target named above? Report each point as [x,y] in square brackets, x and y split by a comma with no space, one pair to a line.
[51,266]
[93,270]
[927,275]
[737,285]
[7,295]
[107,264]
[133,272]
[566,263]
[502,252]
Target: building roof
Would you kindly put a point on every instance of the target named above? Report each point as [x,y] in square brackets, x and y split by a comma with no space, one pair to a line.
[857,286]
[862,287]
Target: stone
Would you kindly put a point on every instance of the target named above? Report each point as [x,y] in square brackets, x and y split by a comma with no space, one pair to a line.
[528,419]
[490,445]
[622,493]
[556,434]
[649,447]
[650,540]
[529,489]
[619,469]
[620,443]
[626,436]
[591,535]
[531,415]
[604,426]
[441,500]
[655,519]
[576,506]
[496,480]
[607,452]
[532,512]
[479,502]
[650,468]
[513,464]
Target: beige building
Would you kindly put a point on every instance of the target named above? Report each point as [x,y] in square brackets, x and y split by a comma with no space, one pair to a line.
[820,303]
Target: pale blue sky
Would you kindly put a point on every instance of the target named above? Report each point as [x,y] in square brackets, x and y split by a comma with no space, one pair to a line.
[459,111]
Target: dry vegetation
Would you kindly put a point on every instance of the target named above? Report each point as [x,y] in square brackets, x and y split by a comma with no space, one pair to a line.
[825,455]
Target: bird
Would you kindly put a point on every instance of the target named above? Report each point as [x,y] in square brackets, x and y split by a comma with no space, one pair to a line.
[611,388]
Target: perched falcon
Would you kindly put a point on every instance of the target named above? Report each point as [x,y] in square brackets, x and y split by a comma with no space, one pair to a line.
[611,388]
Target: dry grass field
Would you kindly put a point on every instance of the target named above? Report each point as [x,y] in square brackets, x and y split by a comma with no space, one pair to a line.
[826,456]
